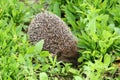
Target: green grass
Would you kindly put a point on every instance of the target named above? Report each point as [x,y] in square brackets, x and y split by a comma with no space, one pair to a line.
[96,23]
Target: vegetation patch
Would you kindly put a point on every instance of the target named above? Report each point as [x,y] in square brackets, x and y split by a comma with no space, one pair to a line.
[96,23]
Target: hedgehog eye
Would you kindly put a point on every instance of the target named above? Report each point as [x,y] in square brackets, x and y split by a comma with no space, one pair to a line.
[59,54]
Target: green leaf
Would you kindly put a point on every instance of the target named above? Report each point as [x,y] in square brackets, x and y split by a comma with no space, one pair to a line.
[44,54]
[74,71]
[21,59]
[92,26]
[77,78]
[39,46]
[43,76]
[106,34]
[103,46]
[107,60]
[56,78]
[71,18]
[56,9]
[45,67]
[30,49]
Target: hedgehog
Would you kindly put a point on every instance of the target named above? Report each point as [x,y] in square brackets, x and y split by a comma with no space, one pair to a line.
[58,39]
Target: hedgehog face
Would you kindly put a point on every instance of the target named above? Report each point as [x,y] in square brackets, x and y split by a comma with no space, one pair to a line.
[69,55]
[69,59]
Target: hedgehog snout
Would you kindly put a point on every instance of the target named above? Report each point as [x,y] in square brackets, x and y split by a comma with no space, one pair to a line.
[69,59]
